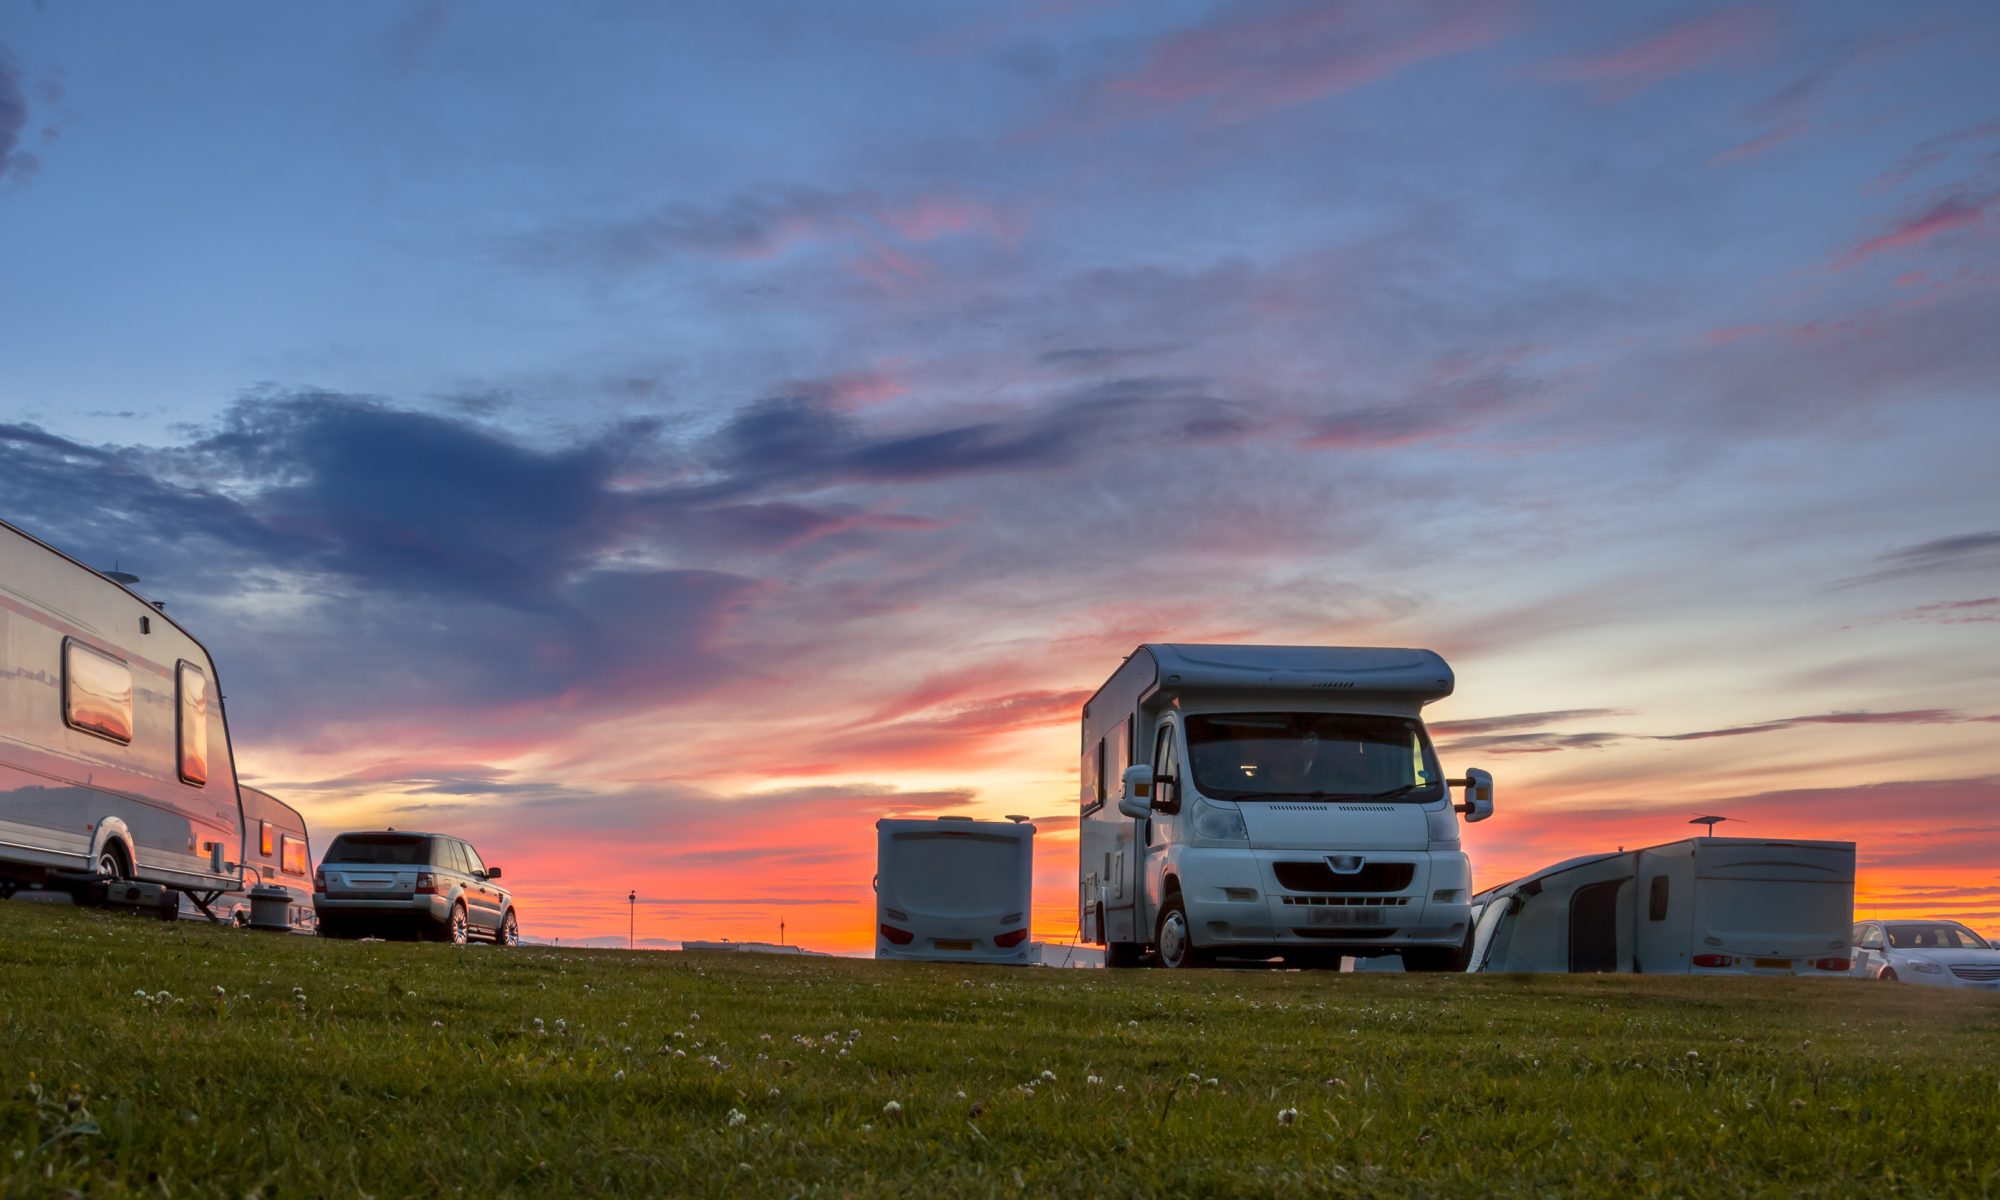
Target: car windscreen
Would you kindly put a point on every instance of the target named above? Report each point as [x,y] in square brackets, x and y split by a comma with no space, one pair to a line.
[1275,755]
[380,849]
[1941,935]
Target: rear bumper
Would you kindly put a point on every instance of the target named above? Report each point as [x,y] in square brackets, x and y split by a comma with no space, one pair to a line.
[1235,901]
[382,909]
[951,939]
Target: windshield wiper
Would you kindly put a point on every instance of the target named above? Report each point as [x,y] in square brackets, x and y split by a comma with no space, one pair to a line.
[1392,793]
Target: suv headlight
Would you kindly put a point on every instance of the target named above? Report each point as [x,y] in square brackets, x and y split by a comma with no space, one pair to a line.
[1926,968]
[1222,823]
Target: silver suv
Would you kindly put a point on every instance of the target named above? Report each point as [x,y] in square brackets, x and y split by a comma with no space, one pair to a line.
[422,883]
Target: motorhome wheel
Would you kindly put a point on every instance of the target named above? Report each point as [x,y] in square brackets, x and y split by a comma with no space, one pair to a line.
[1173,942]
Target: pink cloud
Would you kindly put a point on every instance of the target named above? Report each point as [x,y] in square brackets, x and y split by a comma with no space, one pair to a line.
[1761,144]
[1690,45]
[1278,60]
[1955,213]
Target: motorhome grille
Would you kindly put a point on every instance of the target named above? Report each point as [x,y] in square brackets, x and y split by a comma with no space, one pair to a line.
[1297,807]
[1319,877]
[1347,901]
[1351,934]
[1977,973]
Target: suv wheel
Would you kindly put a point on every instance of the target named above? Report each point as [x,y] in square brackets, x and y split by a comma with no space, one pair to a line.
[454,930]
[510,930]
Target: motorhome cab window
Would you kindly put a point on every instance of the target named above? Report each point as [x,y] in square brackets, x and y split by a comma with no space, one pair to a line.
[294,862]
[193,688]
[97,692]
[1344,756]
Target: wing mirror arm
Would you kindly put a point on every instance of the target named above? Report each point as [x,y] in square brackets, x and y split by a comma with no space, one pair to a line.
[1478,802]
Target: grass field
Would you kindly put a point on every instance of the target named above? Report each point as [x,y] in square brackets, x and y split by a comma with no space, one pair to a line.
[184,1060]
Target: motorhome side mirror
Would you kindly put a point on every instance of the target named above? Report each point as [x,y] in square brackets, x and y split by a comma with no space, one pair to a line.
[493,872]
[1478,802]
[1136,799]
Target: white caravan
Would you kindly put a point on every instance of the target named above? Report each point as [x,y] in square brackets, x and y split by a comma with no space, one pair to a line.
[1704,906]
[115,760]
[954,889]
[1257,801]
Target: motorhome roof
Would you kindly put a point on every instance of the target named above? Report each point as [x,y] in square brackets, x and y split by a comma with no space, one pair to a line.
[1375,669]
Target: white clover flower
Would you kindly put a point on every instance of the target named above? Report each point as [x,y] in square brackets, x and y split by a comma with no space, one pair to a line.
[736,1117]
[1193,1078]
[771,1092]
[1694,1054]
[1287,1116]
[961,1094]
[1093,1080]
[437,1024]
[892,1110]
[618,1077]
[1048,1076]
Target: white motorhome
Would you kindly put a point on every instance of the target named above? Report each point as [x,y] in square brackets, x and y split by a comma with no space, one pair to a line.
[114,753]
[1258,801]
[1709,905]
[954,889]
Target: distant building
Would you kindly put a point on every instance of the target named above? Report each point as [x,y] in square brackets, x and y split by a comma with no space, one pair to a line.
[752,948]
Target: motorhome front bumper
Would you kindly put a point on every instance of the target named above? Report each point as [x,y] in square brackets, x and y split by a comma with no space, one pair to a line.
[1246,897]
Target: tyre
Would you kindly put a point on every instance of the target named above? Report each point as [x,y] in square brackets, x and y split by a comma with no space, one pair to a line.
[1173,941]
[454,929]
[111,862]
[510,931]
[1888,975]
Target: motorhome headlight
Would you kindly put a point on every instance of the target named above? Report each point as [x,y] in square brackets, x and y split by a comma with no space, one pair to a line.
[1926,968]
[1443,823]
[1218,822]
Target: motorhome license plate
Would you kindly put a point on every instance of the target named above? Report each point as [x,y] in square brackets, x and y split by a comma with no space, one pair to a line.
[953,944]
[1344,916]
[1783,963]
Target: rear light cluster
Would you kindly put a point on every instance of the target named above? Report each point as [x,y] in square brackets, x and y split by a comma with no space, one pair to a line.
[427,884]
[319,880]
[1007,941]
[1834,964]
[1713,960]
[897,937]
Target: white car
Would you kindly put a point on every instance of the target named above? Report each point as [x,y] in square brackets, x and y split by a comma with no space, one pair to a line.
[1939,953]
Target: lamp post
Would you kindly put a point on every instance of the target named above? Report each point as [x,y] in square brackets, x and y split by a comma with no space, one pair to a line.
[781,933]
[631,919]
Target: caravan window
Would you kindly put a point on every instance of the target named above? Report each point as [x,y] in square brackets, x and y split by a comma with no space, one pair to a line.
[294,862]
[192,721]
[264,836]
[97,692]
[1093,777]
[1656,904]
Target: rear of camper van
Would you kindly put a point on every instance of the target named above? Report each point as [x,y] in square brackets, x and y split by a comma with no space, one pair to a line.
[954,889]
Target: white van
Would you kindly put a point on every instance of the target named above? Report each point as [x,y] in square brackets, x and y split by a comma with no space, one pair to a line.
[954,889]
[1708,905]
[115,762]
[1259,801]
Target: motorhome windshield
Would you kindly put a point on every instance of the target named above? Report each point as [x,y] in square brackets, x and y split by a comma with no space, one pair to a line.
[1346,756]
[380,849]
[1934,935]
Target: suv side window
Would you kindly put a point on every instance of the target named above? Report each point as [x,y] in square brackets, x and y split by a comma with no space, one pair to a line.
[445,855]
[472,860]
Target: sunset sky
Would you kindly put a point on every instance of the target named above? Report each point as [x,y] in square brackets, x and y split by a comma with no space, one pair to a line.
[656,441]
